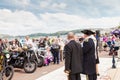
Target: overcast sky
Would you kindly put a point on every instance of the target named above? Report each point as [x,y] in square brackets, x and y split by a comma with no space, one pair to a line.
[21,17]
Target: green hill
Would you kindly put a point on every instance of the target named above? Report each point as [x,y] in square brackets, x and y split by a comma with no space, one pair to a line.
[54,34]
[46,34]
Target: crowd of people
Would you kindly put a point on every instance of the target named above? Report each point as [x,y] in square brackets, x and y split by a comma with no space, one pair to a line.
[109,43]
[53,47]
[79,52]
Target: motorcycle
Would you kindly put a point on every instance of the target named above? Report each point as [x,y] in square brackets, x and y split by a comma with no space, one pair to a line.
[23,60]
[6,70]
[46,59]
[38,57]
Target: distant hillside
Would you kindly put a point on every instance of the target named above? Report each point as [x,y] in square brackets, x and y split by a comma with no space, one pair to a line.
[5,36]
[54,34]
[49,34]
[57,33]
[42,34]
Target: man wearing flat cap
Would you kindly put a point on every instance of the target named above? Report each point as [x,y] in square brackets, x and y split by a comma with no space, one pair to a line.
[89,60]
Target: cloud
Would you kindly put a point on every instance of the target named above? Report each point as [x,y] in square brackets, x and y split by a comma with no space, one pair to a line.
[49,4]
[74,22]
[86,8]
[108,7]
[19,22]
[97,8]
[45,4]
[21,2]
[59,5]
[22,22]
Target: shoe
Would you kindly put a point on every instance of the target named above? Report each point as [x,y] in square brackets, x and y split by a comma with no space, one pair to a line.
[98,74]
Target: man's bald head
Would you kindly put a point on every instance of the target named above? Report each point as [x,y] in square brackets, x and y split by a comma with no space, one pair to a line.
[71,35]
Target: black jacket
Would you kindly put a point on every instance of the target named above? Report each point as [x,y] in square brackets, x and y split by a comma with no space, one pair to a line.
[2,47]
[73,57]
[89,61]
[55,48]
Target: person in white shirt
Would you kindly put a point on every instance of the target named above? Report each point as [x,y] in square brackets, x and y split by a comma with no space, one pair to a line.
[116,46]
[29,43]
[61,43]
[101,43]
[96,53]
[117,42]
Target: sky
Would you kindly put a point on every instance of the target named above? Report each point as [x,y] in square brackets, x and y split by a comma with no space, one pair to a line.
[22,17]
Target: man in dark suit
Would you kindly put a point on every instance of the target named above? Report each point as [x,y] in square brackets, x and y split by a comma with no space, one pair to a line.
[73,58]
[89,60]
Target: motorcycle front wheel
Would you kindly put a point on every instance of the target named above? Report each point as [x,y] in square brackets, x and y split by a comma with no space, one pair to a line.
[30,67]
[41,61]
[7,73]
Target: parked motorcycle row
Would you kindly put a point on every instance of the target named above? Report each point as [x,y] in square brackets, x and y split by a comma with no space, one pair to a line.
[24,58]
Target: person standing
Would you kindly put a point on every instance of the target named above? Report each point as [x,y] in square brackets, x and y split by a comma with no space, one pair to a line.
[100,43]
[61,43]
[89,59]
[55,49]
[2,46]
[30,45]
[28,42]
[73,58]
[96,51]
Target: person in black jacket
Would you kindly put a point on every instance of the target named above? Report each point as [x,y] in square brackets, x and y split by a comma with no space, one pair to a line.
[89,60]
[55,49]
[2,46]
[73,58]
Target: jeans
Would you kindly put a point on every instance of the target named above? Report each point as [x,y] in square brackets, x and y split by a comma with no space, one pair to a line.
[56,57]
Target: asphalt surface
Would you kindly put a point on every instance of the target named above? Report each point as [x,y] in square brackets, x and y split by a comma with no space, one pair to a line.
[21,75]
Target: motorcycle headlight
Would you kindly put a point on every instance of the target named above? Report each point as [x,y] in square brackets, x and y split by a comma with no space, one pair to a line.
[7,55]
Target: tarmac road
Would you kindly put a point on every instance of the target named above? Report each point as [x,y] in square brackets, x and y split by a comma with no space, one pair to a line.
[21,75]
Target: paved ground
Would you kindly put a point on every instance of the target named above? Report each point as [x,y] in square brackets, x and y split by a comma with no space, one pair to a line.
[21,75]
[106,72]
[47,72]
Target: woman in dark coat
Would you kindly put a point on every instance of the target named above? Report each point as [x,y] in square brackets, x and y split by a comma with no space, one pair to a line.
[89,60]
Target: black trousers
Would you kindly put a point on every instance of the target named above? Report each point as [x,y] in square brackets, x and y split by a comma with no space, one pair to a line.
[56,57]
[92,77]
[74,76]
